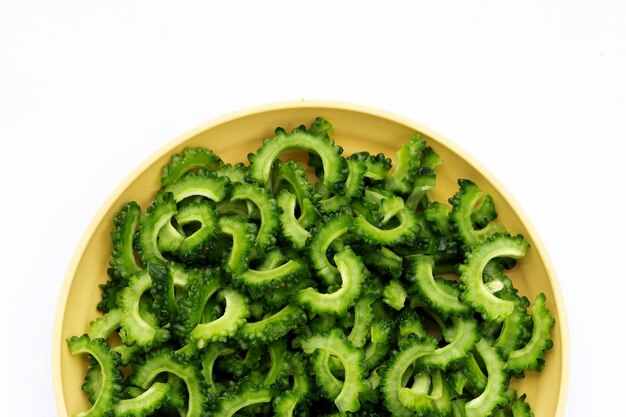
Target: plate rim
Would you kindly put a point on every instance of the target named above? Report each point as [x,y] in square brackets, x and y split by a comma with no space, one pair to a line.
[295,104]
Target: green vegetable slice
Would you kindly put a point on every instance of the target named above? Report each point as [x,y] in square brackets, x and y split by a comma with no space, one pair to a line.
[200,184]
[475,293]
[398,365]
[350,269]
[408,161]
[285,404]
[243,236]
[158,215]
[352,361]
[235,173]
[463,341]
[267,207]
[353,187]
[291,229]
[125,224]
[463,205]
[376,166]
[201,286]
[531,356]
[110,376]
[258,281]
[420,272]
[394,295]
[230,403]
[104,327]
[135,330]
[404,233]
[335,227]
[273,327]
[146,372]
[515,327]
[495,390]
[145,403]
[226,326]
[190,159]
[314,140]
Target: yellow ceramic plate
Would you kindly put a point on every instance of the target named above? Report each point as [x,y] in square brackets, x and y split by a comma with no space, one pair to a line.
[357,128]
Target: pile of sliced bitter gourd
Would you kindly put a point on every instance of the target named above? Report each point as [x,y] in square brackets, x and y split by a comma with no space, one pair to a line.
[256,291]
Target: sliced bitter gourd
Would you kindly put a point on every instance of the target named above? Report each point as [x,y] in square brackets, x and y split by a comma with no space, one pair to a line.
[110,376]
[352,361]
[267,207]
[393,379]
[134,328]
[495,391]
[190,159]
[420,272]
[475,293]
[531,355]
[226,326]
[336,226]
[350,269]
[158,215]
[314,140]
[125,225]
[463,205]
[145,373]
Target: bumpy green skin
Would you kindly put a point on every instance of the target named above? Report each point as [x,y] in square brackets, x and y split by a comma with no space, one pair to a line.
[515,329]
[110,376]
[291,229]
[286,404]
[260,281]
[530,357]
[438,215]
[105,326]
[144,404]
[475,293]
[425,180]
[354,187]
[408,161]
[125,224]
[494,394]
[293,175]
[394,295]
[201,184]
[423,403]
[267,207]
[463,204]
[351,359]
[463,341]
[314,140]
[377,166]
[201,286]
[158,215]
[420,272]
[334,228]
[351,270]
[194,247]
[520,408]
[135,330]
[165,303]
[274,326]
[243,235]
[227,325]
[397,366]
[246,395]
[93,380]
[363,316]
[384,261]
[404,233]
[190,159]
[235,173]
[146,372]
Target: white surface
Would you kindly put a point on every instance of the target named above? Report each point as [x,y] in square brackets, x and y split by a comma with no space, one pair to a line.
[535,91]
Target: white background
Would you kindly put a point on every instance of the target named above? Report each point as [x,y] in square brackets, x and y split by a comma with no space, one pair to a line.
[535,90]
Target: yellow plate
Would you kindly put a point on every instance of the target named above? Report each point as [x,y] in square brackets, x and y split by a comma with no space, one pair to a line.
[357,128]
